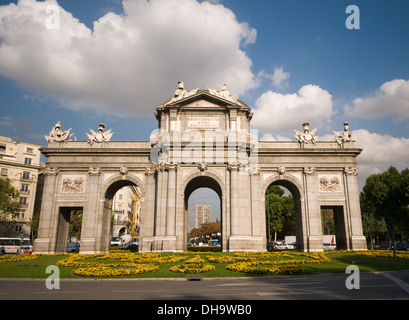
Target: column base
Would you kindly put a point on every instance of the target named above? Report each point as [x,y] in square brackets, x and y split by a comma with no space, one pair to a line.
[246,243]
[358,243]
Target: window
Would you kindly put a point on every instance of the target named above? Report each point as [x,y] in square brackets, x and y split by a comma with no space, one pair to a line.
[21,214]
[26,175]
[4,172]
[119,207]
[17,228]
[30,150]
[2,148]
[23,201]
[27,160]
[120,197]
[24,187]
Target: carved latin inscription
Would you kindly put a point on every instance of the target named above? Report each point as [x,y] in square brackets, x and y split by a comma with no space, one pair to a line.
[203,122]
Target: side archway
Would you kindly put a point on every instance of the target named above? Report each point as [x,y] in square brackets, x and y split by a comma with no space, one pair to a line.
[293,185]
[108,191]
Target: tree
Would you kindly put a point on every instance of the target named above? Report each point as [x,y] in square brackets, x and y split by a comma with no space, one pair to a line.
[386,196]
[279,211]
[9,200]
[206,229]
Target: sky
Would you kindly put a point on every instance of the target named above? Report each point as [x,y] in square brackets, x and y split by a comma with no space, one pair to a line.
[83,62]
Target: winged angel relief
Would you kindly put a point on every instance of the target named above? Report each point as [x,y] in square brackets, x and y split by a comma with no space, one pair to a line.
[99,136]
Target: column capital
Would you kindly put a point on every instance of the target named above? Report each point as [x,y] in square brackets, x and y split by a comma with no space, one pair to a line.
[309,171]
[94,171]
[171,167]
[351,171]
[150,171]
[233,166]
[50,171]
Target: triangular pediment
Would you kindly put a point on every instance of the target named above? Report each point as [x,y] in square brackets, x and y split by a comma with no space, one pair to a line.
[208,99]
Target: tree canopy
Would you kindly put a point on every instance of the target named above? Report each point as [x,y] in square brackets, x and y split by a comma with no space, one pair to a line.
[9,200]
[279,212]
[385,197]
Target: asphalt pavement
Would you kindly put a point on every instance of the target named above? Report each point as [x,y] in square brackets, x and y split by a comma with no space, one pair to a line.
[368,286]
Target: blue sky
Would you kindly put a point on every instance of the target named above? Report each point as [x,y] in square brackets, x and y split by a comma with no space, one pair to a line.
[292,61]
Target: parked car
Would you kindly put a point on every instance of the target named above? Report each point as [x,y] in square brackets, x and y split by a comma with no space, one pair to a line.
[280,246]
[73,247]
[26,250]
[385,246]
[330,246]
[402,246]
[131,247]
[115,241]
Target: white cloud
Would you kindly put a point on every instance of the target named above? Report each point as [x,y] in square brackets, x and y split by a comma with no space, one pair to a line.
[279,79]
[392,100]
[379,153]
[128,63]
[280,113]
[271,137]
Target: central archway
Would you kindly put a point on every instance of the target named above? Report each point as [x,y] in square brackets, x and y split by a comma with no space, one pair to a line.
[204,181]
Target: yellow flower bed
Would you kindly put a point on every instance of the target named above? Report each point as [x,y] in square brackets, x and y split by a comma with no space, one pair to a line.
[248,267]
[137,262]
[260,263]
[383,253]
[104,272]
[15,258]
[193,265]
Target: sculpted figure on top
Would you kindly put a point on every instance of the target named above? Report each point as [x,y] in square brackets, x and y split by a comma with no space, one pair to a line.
[99,136]
[344,136]
[57,135]
[225,94]
[306,136]
[181,93]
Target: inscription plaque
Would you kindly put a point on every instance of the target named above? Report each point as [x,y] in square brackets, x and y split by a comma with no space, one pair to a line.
[203,122]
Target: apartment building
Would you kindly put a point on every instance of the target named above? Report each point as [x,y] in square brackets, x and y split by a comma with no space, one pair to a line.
[20,162]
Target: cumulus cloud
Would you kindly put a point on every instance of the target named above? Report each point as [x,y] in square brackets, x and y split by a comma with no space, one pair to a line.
[280,113]
[379,153]
[279,79]
[127,64]
[392,99]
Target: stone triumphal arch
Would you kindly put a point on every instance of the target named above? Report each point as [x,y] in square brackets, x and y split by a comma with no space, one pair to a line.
[203,139]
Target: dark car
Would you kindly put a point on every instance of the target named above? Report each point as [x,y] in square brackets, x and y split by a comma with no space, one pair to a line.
[131,247]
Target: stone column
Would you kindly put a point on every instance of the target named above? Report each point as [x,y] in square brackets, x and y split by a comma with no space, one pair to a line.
[257,208]
[312,221]
[171,200]
[234,199]
[47,229]
[92,239]
[353,216]
[169,242]
[147,230]
[160,218]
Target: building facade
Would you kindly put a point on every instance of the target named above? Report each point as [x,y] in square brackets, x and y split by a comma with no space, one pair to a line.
[202,214]
[20,162]
[203,139]
[126,210]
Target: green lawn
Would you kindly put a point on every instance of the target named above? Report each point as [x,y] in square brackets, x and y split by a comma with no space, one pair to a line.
[332,263]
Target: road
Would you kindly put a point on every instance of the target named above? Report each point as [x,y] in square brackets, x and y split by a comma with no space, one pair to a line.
[391,285]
